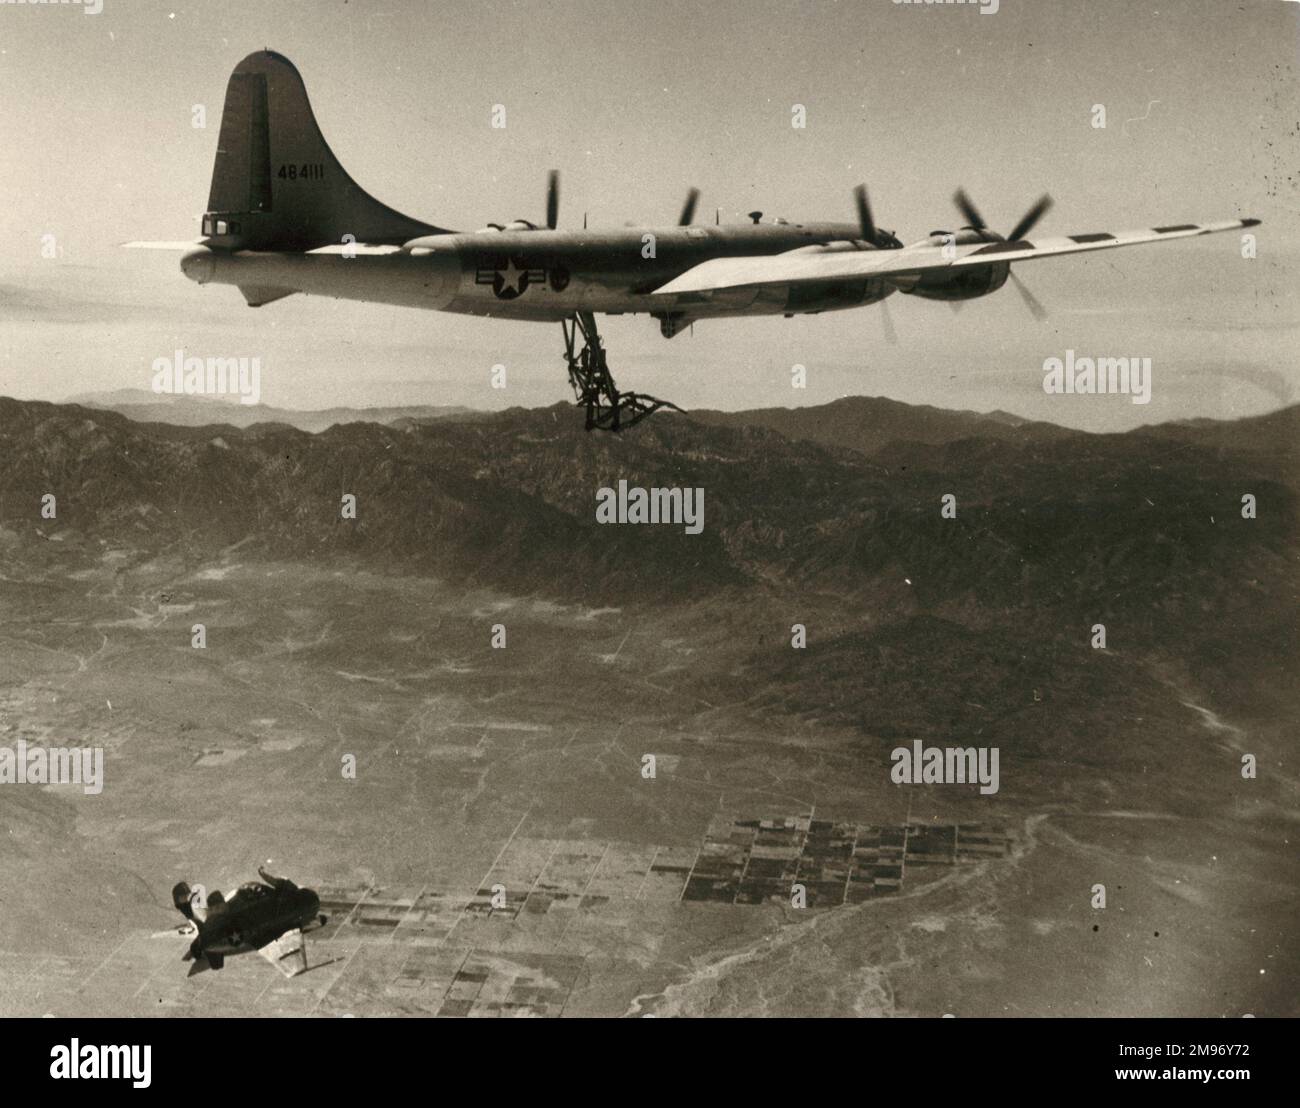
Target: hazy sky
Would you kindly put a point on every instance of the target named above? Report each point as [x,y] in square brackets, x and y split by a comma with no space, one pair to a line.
[634,103]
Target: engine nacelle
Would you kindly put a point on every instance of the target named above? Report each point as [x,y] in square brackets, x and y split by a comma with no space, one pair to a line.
[966,283]
[672,323]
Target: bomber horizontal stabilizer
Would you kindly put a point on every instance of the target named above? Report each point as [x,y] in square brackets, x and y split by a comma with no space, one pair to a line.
[190,245]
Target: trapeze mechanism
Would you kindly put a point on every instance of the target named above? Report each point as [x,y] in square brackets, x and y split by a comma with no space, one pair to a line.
[593,386]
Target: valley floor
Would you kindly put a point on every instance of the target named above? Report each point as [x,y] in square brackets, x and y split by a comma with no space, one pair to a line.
[616,893]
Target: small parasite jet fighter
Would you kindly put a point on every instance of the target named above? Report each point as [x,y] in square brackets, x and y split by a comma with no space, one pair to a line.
[269,917]
[284,217]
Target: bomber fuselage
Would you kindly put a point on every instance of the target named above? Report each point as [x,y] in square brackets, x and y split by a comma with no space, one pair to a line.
[548,276]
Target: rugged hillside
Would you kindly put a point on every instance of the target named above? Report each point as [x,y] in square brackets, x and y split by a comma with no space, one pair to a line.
[1083,521]
[1141,531]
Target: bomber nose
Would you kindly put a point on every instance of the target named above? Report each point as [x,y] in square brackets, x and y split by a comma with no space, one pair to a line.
[198,265]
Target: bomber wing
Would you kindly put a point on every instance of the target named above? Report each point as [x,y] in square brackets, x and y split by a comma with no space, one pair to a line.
[804,266]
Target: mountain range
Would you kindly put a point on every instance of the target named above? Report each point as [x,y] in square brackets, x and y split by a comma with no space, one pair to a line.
[835,508]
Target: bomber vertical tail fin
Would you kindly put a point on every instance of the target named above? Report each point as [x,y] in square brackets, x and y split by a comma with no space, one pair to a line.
[276,184]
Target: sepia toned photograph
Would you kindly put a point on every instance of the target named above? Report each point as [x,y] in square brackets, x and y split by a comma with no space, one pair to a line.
[558,508]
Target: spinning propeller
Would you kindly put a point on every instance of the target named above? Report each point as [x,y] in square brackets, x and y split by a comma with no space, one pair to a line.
[885,240]
[553,203]
[552,198]
[688,209]
[975,221]
[1027,221]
